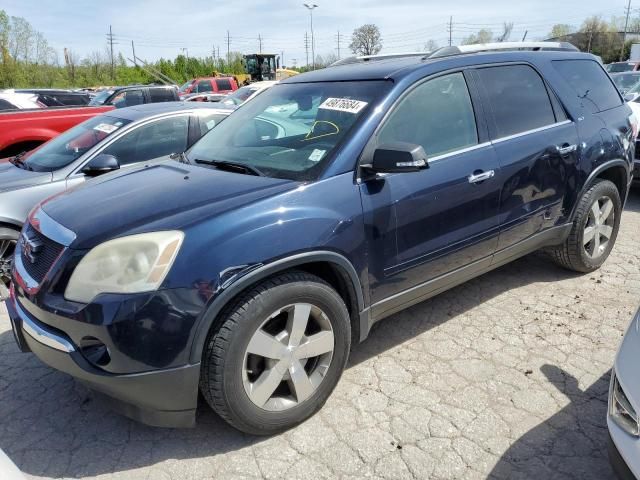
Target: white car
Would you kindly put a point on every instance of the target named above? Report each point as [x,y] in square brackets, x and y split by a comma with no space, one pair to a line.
[246,93]
[8,470]
[624,403]
[10,100]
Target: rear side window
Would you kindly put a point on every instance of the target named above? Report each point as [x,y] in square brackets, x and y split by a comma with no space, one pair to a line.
[437,114]
[224,84]
[161,95]
[518,99]
[590,82]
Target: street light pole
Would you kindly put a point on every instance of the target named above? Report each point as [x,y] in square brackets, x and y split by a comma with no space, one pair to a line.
[310,7]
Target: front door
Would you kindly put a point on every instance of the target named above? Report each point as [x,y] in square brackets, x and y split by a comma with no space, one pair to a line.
[422,226]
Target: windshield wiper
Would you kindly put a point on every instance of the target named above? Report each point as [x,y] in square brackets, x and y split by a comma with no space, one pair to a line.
[232,166]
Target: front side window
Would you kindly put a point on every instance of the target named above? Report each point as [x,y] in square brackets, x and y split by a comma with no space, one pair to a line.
[240,96]
[291,130]
[67,147]
[518,99]
[590,83]
[156,139]
[619,67]
[204,86]
[209,120]
[185,86]
[438,115]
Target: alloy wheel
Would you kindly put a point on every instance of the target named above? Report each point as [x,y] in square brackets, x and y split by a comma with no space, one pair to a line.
[7,247]
[599,227]
[287,358]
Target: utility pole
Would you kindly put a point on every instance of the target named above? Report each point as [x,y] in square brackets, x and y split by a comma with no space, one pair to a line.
[338,44]
[111,49]
[228,49]
[525,35]
[282,59]
[306,47]
[624,34]
[133,50]
[450,28]
[259,43]
[310,7]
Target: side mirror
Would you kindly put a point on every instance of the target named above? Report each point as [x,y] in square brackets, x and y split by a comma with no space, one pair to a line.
[100,164]
[398,157]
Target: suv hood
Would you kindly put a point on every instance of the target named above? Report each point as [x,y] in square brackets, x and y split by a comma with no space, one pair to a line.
[12,177]
[164,196]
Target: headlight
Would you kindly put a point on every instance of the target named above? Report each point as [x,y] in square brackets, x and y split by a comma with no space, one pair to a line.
[137,263]
[621,410]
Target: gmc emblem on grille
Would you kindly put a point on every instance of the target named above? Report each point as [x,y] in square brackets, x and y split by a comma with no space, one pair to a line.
[31,247]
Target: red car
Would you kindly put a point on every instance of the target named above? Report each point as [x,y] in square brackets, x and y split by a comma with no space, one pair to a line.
[209,85]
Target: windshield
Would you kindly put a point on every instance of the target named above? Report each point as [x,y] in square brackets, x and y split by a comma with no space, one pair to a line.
[635,88]
[67,147]
[620,67]
[240,96]
[291,130]
[625,81]
[184,87]
[100,98]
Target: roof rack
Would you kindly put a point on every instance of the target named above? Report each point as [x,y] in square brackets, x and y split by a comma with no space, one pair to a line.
[373,58]
[502,46]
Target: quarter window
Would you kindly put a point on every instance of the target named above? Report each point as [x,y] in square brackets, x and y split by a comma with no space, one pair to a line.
[518,99]
[437,115]
[590,82]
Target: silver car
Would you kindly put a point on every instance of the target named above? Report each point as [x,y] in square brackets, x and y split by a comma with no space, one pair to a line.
[117,139]
[623,418]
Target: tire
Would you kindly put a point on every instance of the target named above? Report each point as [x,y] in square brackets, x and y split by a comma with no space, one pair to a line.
[8,240]
[574,254]
[231,368]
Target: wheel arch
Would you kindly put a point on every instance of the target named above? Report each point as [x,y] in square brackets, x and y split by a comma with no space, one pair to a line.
[330,266]
[616,171]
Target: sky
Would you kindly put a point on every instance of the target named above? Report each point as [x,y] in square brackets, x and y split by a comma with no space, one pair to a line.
[163,28]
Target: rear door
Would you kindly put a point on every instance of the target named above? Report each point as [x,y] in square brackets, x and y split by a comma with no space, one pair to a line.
[536,145]
[426,224]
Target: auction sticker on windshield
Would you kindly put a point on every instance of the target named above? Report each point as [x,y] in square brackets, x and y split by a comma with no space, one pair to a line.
[106,128]
[343,105]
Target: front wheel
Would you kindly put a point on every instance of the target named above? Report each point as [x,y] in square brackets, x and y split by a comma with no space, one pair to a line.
[8,241]
[277,355]
[594,230]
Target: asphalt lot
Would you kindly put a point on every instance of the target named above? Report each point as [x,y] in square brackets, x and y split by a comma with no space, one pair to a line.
[503,377]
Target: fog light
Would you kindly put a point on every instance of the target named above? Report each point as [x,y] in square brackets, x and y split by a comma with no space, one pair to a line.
[621,410]
[95,351]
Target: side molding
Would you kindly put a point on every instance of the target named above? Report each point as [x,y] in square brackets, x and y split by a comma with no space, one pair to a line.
[264,271]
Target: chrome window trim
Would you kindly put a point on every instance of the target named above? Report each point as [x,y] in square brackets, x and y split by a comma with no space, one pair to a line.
[41,335]
[529,132]
[458,152]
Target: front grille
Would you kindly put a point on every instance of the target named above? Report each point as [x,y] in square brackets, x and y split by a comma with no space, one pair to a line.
[42,261]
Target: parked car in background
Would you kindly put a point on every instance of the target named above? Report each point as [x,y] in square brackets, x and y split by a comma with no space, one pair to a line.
[10,100]
[204,97]
[130,96]
[312,212]
[58,98]
[246,93]
[619,67]
[625,81]
[623,420]
[209,85]
[21,131]
[118,139]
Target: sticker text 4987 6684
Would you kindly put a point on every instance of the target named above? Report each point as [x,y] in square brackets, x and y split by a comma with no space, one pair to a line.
[343,105]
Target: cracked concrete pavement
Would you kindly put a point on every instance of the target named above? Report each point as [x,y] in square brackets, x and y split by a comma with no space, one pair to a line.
[503,377]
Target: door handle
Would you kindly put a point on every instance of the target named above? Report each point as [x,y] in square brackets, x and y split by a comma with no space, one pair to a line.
[481,177]
[566,149]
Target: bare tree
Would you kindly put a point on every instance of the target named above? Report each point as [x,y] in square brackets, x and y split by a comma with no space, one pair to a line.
[507,28]
[431,45]
[483,36]
[366,40]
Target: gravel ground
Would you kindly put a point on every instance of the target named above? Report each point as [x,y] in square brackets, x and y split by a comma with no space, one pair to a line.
[503,377]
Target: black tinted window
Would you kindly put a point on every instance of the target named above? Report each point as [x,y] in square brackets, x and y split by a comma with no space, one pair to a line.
[204,86]
[437,115]
[590,82]
[518,99]
[161,95]
[4,105]
[223,84]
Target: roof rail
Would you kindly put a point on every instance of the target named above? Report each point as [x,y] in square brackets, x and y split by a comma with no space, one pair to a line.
[373,58]
[492,47]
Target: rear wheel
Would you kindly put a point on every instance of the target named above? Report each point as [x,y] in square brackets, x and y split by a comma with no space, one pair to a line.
[277,355]
[8,241]
[594,229]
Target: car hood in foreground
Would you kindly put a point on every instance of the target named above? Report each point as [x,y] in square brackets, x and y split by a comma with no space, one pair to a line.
[164,196]
[12,177]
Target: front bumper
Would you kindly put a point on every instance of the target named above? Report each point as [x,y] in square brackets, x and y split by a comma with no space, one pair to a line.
[162,397]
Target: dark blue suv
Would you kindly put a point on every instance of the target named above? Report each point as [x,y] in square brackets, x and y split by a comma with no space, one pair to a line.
[248,268]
